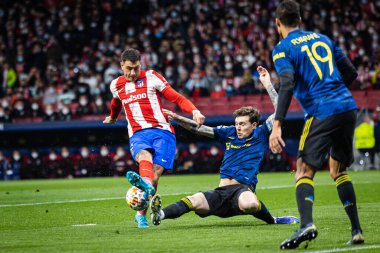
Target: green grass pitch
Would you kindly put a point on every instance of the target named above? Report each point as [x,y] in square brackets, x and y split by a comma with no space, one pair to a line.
[91,215]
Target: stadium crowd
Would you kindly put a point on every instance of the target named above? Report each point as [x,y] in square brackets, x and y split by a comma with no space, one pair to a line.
[57,58]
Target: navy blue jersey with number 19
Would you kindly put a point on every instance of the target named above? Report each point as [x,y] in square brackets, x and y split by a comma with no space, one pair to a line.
[318,86]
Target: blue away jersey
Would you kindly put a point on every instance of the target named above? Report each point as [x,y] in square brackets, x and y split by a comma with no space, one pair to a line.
[242,157]
[318,87]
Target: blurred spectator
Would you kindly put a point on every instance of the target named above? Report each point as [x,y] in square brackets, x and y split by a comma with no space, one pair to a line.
[84,107]
[14,168]
[365,139]
[36,111]
[9,78]
[52,165]
[120,159]
[276,162]
[193,159]
[50,114]
[66,163]
[99,107]
[104,165]
[212,159]
[33,167]
[247,84]
[85,164]
[4,166]
[65,113]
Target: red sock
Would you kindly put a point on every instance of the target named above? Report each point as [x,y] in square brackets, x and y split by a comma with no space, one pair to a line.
[146,170]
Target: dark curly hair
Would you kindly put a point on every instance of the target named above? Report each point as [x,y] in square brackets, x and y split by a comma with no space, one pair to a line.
[288,12]
[130,54]
[252,112]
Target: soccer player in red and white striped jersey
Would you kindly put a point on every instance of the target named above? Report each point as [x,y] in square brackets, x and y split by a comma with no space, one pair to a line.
[152,139]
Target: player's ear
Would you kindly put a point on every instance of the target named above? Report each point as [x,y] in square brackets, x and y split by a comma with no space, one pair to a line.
[121,64]
[299,22]
[278,23]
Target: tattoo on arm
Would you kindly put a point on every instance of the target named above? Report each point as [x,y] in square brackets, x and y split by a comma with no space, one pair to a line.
[273,95]
[192,126]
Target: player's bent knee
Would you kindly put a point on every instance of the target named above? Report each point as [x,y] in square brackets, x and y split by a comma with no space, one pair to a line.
[199,202]
[248,202]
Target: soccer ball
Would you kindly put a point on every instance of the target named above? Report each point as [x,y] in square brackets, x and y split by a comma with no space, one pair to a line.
[136,199]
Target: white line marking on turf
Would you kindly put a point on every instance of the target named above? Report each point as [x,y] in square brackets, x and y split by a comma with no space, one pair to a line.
[83,225]
[113,198]
[353,248]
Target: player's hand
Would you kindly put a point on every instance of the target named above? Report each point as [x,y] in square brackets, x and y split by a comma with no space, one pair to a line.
[171,115]
[109,120]
[276,143]
[198,117]
[264,76]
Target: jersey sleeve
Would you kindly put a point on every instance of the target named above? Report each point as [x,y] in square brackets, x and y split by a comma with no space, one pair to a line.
[160,83]
[338,53]
[113,88]
[282,60]
[222,132]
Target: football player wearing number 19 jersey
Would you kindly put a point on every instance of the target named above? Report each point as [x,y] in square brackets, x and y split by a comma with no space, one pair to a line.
[317,72]
[152,139]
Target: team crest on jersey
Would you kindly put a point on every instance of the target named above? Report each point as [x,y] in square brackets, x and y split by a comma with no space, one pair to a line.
[140,83]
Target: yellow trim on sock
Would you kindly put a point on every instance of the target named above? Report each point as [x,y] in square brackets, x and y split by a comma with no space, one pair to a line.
[341,179]
[187,202]
[305,181]
[305,133]
[259,208]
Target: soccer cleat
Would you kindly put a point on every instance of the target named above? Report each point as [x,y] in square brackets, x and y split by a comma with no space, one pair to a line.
[155,210]
[141,221]
[286,220]
[357,237]
[136,180]
[309,232]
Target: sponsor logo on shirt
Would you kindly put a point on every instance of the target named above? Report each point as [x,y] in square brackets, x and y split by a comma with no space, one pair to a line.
[132,98]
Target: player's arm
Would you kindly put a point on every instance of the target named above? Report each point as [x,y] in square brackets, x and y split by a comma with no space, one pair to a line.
[347,71]
[170,94]
[345,66]
[115,110]
[190,125]
[265,80]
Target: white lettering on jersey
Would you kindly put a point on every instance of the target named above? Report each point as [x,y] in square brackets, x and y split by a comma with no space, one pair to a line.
[133,98]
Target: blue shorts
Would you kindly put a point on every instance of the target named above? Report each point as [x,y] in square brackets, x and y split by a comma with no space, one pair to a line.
[161,143]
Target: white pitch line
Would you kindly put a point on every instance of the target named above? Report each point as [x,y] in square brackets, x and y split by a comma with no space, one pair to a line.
[353,248]
[113,198]
[83,225]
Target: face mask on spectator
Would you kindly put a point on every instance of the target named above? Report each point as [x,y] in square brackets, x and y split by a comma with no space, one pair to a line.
[65,154]
[84,153]
[217,88]
[4,103]
[104,152]
[99,102]
[19,106]
[120,153]
[193,150]
[83,102]
[34,155]
[35,106]
[52,156]
[16,157]
[214,151]
[49,112]
[65,110]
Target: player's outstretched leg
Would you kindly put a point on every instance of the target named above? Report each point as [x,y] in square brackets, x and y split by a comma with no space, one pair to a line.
[141,221]
[286,220]
[309,232]
[136,180]
[155,210]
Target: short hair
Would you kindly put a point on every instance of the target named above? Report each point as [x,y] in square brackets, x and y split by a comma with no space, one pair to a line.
[288,12]
[252,112]
[130,54]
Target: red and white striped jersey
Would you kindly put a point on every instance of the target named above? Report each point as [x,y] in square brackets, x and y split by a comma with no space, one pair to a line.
[141,101]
